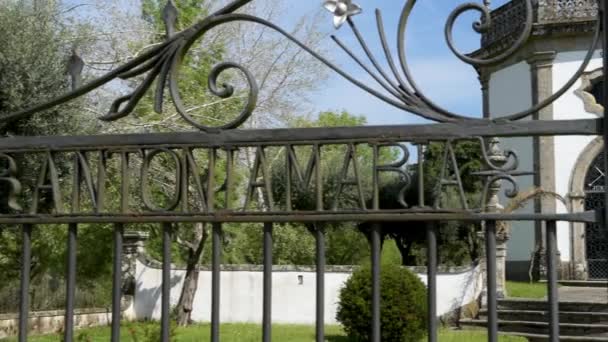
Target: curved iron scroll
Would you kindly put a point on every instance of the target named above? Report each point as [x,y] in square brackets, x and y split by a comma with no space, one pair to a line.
[399,88]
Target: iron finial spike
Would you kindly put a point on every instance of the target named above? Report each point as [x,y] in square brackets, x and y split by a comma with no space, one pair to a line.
[75,67]
[170,15]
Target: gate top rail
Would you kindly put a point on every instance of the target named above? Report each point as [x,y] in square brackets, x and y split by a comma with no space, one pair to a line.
[422,133]
[399,88]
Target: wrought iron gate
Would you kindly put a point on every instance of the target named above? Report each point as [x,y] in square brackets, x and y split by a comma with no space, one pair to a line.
[161,64]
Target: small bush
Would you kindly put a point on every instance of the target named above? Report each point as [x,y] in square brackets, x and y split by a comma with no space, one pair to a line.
[403,305]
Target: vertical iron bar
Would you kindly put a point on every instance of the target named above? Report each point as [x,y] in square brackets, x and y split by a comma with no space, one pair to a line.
[119,231]
[431,237]
[26,261]
[552,281]
[376,333]
[215,282]
[166,287]
[604,18]
[320,239]
[420,175]
[491,280]
[117,281]
[267,319]
[68,332]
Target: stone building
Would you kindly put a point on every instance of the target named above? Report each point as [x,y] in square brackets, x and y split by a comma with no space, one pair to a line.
[569,166]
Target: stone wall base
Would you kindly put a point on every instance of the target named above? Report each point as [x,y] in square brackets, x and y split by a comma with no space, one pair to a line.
[46,322]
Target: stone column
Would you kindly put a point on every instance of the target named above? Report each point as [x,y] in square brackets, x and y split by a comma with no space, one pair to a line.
[133,245]
[502,232]
[497,157]
[541,68]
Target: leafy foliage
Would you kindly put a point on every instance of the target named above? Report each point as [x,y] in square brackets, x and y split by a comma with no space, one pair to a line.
[33,63]
[402,305]
[36,47]
[151,332]
[458,242]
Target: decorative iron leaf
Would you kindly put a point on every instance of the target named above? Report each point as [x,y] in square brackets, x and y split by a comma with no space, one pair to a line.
[170,15]
[75,67]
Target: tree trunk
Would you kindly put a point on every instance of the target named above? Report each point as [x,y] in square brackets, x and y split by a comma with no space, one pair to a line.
[404,249]
[186,299]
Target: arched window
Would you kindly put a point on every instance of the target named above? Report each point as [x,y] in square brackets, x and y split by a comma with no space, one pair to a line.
[596,236]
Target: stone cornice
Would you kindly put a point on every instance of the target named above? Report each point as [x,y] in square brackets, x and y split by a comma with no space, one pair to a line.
[542,59]
[551,17]
[152,263]
[539,30]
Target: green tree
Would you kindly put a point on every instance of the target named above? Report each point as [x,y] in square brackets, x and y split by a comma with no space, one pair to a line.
[37,45]
[278,77]
[190,238]
[344,242]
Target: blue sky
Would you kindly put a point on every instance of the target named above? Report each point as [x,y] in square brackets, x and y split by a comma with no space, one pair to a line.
[445,79]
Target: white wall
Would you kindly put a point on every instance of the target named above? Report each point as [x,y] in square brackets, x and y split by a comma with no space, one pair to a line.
[511,92]
[568,148]
[241,294]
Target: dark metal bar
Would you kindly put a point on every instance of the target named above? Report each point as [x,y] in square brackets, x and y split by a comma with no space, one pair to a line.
[420,148]
[376,246]
[604,18]
[215,282]
[233,6]
[320,318]
[431,237]
[303,216]
[166,287]
[229,176]
[552,281]
[117,281]
[267,316]
[491,281]
[70,291]
[24,293]
[308,136]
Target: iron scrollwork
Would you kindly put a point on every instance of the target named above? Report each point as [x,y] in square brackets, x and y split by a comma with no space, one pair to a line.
[8,176]
[162,62]
[160,66]
[506,171]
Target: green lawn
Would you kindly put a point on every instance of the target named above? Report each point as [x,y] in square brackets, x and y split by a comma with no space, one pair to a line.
[526,290]
[250,333]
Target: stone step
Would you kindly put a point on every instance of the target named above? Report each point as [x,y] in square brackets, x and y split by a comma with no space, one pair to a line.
[542,305]
[543,316]
[562,338]
[541,328]
[581,283]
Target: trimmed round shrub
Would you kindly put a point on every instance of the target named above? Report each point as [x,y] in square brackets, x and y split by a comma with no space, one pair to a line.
[403,306]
